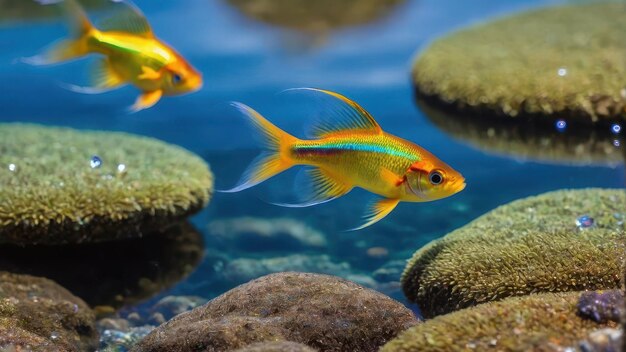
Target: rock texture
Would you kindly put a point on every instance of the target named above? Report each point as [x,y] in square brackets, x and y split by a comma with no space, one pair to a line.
[324,312]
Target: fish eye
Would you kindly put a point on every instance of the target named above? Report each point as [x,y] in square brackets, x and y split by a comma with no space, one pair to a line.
[176,78]
[435,177]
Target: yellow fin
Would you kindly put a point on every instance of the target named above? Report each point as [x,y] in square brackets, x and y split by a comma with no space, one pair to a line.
[127,17]
[146,100]
[377,211]
[148,73]
[391,177]
[71,48]
[318,186]
[339,114]
[271,162]
[103,77]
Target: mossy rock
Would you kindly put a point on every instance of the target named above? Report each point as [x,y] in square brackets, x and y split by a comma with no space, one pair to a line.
[115,273]
[528,246]
[523,139]
[540,322]
[36,314]
[315,16]
[561,61]
[50,194]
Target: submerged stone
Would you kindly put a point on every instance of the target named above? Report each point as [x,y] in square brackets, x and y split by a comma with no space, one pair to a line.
[257,234]
[324,312]
[54,196]
[565,60]
[315,16]
[280,346]
[601,306]
[537,322]
[36,314]
[527,246]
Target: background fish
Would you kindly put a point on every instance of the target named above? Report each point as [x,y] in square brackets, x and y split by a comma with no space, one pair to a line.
[351,150]
[132,54]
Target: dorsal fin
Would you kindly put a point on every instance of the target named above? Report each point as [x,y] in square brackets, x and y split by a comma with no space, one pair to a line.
[339,114]
[126,17]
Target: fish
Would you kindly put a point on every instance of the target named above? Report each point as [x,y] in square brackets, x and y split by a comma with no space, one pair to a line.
[130,54]
[349,149]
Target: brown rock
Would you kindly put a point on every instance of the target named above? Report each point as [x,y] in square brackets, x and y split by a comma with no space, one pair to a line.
[324,312]
[36,314]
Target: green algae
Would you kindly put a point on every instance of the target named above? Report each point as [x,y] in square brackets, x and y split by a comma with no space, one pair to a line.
[528,246]
[540,322]
[511,66]
[50,194]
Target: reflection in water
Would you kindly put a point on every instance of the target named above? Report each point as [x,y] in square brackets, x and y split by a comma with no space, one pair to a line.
[318,16]
[112,273]
[14,10]
[554,142]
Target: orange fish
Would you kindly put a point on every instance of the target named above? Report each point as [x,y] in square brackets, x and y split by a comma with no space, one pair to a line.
[351,150]
[132,54]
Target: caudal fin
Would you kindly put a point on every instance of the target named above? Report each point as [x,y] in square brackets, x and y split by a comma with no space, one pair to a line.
[273,160]
[73,47]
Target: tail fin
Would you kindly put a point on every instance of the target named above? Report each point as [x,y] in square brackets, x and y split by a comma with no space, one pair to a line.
[75,46]
[273,160]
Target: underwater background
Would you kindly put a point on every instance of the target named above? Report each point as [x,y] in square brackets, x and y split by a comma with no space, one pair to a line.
[250,60]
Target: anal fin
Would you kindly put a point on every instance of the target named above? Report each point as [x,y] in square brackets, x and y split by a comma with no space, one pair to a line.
[378,210]
[316,186]
[146,100]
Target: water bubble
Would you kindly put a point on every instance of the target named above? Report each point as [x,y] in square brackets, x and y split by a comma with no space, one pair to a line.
[561,125]
[12,167]
[54,335]
[121,168]
[95,162]
[562,72]
[584,221]
[616,128]
[616,143]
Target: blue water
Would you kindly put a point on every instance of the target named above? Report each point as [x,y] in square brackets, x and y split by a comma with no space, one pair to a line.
[249,61]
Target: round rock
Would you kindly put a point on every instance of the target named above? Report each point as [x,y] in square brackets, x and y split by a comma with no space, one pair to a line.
[59,185]
[566,61]
[36,314]
[323,312]
[280,346]
[528,246]
[541,322]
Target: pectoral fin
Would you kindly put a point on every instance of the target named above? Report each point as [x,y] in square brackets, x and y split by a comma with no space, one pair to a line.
[148,73]
[146,100]
[378,210]
[391,177]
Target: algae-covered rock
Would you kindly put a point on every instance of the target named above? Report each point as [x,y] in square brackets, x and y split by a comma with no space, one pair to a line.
[113,273]
[324,312]
[566,60]
[528,246]
[36,314]
[523,139]
[315,16]
[279,346]
[539,322]
[54,191]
